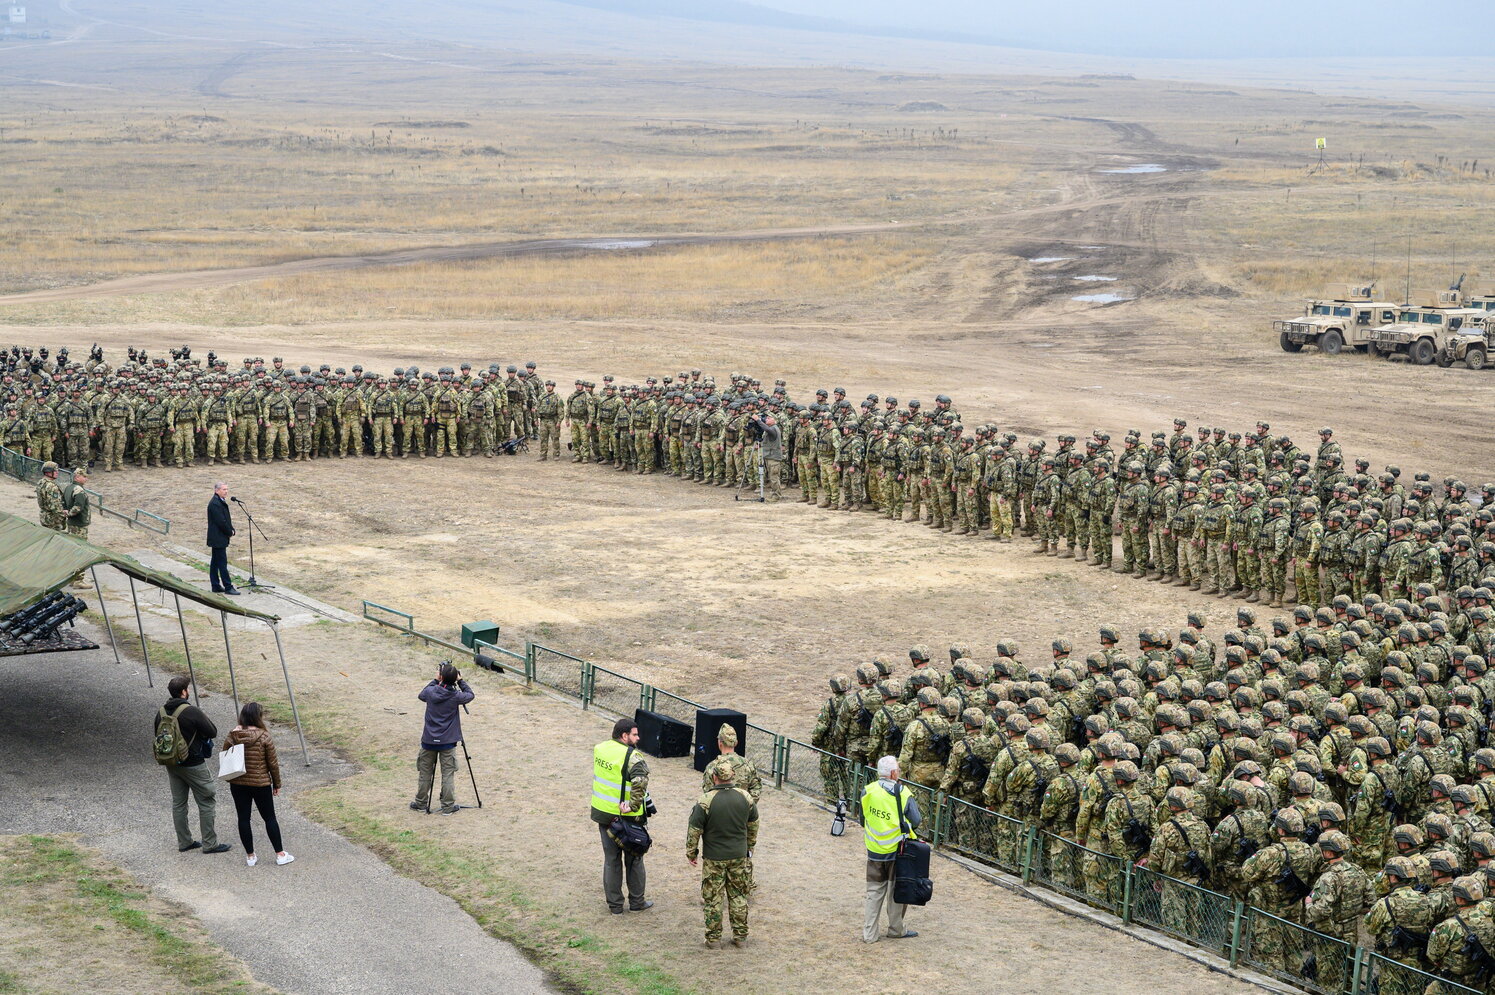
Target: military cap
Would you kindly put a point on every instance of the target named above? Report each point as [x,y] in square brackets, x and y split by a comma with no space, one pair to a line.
[723,770]
[726,735]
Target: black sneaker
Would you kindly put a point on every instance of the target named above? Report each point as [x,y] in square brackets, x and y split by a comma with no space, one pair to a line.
[233,591]
[219,848]
[190,846]
[417,807]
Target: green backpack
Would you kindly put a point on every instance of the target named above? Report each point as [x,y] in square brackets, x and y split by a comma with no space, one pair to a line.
[170,746]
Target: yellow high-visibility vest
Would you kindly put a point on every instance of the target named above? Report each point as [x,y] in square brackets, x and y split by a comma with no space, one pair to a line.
[880,818]
[608,775]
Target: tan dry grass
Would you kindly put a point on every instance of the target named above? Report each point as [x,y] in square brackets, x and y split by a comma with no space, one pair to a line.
[694,281]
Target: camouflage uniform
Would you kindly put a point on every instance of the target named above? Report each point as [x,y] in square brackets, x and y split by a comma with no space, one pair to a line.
[730,879]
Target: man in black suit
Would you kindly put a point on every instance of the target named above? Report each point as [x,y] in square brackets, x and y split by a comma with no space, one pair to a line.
[220,531]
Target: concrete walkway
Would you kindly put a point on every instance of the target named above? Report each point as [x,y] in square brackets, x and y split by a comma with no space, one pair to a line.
[75,735]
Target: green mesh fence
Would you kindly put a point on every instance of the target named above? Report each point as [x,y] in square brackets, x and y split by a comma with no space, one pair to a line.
[20,466]
[762,747]
[1382,975]
[818,773]
[678,708]
[558,670]
[1194,914]
[1095,878]
[614,693]
[1298,955]
[985,836]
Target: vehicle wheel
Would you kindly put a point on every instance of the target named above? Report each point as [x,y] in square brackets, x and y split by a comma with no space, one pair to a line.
[1422,352]
[1475,358]
[1444,360]
[1331,343]
[1288,345]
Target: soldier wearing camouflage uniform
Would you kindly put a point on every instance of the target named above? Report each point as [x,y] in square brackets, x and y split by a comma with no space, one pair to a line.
[723,829]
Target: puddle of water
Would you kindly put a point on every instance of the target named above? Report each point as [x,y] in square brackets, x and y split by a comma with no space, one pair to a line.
[1100,298]
[615,244]
[1050,259]
[1092,278]
[1146,167]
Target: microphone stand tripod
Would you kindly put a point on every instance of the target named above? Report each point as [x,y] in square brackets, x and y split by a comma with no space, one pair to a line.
[254,584]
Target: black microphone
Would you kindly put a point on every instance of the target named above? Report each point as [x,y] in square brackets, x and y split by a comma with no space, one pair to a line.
[236,500]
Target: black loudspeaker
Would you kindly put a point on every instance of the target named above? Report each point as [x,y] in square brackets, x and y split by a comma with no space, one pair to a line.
[708,723]
[662,736]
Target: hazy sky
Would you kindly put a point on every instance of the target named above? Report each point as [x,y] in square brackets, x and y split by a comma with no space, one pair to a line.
[1435,29]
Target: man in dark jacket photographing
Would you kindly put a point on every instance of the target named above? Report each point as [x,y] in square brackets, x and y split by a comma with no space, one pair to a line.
[444,698]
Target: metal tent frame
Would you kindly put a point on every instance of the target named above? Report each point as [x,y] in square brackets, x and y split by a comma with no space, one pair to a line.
[187,650]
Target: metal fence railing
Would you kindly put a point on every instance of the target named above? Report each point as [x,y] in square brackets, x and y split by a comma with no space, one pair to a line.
[557,670]
[1209,920]
[614,693]
[28,470]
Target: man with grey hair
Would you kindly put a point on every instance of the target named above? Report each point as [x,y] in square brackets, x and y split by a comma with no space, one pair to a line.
[889,816]
[220,531]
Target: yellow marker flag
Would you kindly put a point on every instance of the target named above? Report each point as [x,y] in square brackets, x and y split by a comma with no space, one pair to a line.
[1321,143]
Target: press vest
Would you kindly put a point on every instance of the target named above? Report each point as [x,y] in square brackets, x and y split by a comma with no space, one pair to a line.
[608,776]
[880,822]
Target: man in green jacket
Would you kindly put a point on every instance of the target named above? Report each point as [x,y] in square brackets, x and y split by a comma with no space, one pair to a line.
[723,830]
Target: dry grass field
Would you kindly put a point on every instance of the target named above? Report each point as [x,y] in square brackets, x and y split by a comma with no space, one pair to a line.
[987,200]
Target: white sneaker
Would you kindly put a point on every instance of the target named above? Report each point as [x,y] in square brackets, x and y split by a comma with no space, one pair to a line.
[251,860]
[284,858]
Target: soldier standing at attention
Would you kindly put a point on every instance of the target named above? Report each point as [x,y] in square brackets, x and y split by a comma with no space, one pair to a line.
[723,830]
[549,410]
[49,499]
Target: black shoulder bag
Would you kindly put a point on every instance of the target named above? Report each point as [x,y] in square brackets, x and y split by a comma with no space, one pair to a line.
[631,836]
[911,884]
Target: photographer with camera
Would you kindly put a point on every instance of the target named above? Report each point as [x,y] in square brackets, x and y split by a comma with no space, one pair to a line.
[771,449]
[444,697]
[621,808]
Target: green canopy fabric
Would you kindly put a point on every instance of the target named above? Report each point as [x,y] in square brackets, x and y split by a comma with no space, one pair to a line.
[35,561]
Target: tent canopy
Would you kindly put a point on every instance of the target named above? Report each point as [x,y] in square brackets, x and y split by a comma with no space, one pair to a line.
[35,561]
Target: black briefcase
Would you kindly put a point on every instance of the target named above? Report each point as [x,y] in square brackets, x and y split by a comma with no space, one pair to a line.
[911,884]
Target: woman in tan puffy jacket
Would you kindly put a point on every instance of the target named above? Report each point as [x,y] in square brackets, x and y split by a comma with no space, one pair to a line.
[260,782]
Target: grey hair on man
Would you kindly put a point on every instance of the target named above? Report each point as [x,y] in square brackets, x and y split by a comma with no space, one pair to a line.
[886,768]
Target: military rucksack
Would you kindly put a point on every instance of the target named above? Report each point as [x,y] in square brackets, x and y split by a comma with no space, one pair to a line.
[170,745]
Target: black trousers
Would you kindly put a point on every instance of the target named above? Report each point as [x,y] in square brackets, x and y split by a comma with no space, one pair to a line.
[245,801]
[218,569]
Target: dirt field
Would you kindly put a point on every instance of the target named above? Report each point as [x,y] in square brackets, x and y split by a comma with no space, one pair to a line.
[990,213]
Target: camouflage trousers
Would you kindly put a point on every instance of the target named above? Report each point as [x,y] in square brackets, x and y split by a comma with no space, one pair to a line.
[1275,945]
[730,880]
[384,437]
[580,453]
[892,495]
[1029,522]
[1248,569]
[1103,879]
[181,443]
[876,485]
[1077,528]
[446,436]
[1276,578]
[1000,507]
[325,439]
[114,447]
[1164,553]
[645,457]
[277,441]
[415,438]
[966,515]
[675,456]
[1190,560]
[217,442]
[1180,907]
[603,443]
[914,496]
[712,469]
[830,483]
[1336,582]
[942,503]
[1064,863]
[245,441]
[148,446]
[349,439]
[77,448]
[733,456]
[809,479]
[1217,564]
[1365,582]
[853,484]
[1100,537]
[834,773]
[1133,544]
[550,438]
[41,447]
[1306,579]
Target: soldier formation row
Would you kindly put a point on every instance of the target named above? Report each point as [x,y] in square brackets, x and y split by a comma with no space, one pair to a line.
[1331,770]
[1221,512]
